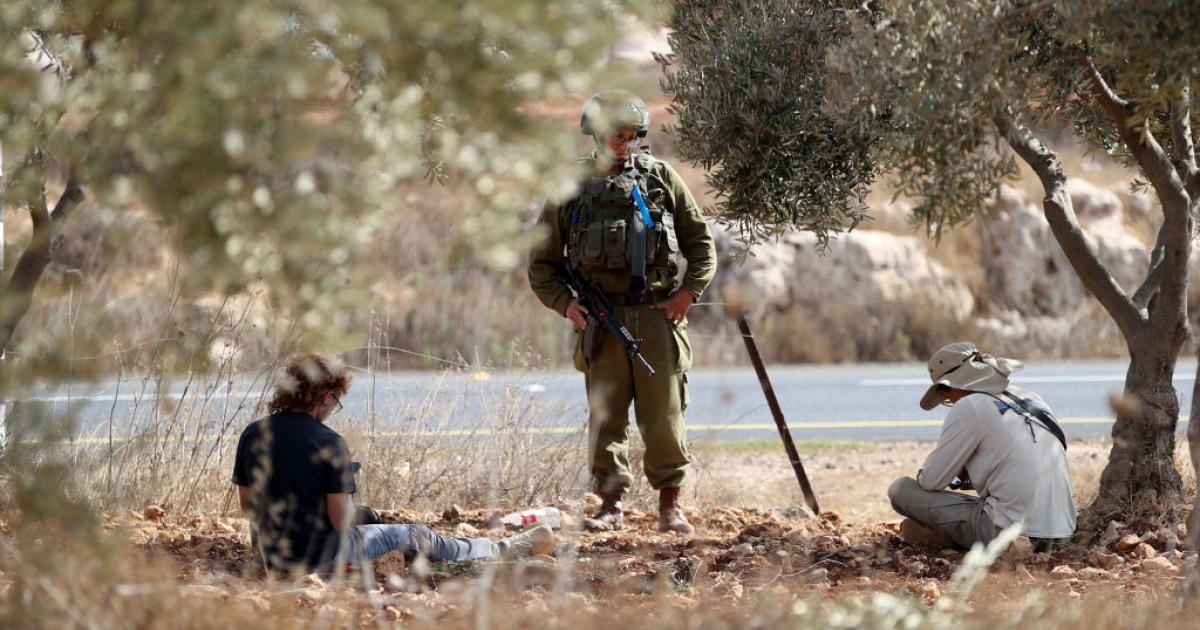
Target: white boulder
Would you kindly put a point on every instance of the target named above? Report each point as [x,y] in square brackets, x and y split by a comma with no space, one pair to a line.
[1026,268]
[864,272]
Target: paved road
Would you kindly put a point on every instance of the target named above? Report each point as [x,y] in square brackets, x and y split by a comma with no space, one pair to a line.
[848,402]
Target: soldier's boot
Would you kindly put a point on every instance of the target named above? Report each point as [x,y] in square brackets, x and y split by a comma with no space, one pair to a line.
[670,515]
[609,517]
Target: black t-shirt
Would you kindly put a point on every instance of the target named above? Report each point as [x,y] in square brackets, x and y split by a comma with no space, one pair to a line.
[290,461]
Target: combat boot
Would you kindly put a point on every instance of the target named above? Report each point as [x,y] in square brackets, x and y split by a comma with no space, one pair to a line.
[609,517]
[670,515]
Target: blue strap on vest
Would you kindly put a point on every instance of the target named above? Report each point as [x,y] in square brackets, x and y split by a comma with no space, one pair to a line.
[641,204]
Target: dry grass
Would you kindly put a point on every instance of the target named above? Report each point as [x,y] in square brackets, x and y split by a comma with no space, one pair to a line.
[77,549]
[757,561]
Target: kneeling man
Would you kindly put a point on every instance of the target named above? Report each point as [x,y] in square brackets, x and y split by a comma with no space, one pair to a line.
[999,440]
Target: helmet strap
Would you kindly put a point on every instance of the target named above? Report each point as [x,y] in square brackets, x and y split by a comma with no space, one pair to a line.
[602,152]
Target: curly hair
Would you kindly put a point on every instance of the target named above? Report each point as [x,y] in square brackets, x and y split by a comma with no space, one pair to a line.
[305,381]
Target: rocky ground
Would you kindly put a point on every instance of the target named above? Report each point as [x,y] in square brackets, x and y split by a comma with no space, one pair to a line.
[739,556]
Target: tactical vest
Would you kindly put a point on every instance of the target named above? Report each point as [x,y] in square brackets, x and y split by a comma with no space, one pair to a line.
[605,224]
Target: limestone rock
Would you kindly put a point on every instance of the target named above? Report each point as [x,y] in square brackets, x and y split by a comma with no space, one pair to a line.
[817,576]
[1106,561]
[310,597]
[1092,573]
[744,549]
[930,592]
[1062,572]
[1112,533]
[313,579]
[1127,543]
[1092,202]
[1026,267]
[1158,566]
[866,272]
[1145,551]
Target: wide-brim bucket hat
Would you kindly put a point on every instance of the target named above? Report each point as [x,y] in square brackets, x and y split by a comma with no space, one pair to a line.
[960,365]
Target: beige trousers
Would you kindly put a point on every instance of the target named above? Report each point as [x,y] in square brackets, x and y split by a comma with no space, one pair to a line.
[957,516]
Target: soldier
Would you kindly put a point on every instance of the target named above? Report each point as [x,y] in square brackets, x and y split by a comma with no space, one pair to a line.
[626,230]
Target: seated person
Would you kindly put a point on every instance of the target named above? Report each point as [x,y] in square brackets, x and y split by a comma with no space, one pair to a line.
[294,479]
[1000,440]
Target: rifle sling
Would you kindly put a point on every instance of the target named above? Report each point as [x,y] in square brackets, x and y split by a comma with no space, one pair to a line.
[637,257]
[1035,416]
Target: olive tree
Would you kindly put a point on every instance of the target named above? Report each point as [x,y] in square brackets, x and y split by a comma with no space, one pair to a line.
[800,107]
[269,135]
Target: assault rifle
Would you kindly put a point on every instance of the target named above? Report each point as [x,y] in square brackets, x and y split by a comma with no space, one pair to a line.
[599,306]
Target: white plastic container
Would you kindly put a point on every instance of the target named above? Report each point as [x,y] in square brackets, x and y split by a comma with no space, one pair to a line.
[539,516]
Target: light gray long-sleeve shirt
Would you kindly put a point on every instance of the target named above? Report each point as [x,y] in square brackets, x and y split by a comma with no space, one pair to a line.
[1021,475]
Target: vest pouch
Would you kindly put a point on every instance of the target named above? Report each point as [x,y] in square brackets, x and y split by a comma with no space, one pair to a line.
[575,241]
[591,250]
[667,247]
[614,243]
[654,238]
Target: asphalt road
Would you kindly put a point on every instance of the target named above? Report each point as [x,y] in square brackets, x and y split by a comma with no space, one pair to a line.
[843,402]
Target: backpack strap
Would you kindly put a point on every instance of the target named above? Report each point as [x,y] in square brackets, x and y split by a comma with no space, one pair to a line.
[1033,416]
[638,224]
[642,163]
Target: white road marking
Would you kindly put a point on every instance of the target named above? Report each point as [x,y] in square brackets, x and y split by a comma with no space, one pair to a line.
[1079,378]
[105,397]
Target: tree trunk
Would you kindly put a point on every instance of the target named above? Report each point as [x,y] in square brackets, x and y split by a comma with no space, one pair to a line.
[17,294]
[1193,437]
[1141,466]
[3,355]
[1191,588]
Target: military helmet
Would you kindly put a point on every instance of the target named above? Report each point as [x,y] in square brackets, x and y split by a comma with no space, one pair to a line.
[613,110]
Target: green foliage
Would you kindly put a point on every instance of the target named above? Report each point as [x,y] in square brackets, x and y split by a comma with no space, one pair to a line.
[930,76]
[1146,50]
[270,135]
[749,88]
[913,89]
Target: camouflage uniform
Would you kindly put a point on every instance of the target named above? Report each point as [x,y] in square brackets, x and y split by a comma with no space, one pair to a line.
[613,380]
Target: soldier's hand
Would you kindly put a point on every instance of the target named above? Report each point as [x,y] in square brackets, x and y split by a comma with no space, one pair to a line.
[577,313]
[677,305]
